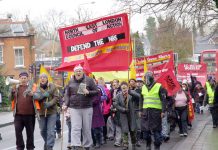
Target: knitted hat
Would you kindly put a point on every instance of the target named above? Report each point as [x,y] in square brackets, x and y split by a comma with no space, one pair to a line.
[24,73]
[43,75]
[78,67]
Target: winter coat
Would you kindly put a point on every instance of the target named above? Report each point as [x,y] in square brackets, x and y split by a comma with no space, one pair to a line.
[127,119]
[52,99]
[197,97]
[151,117]
[97,118]
[216,96]
[13,98]
[108,102]
[76,100]
[115,115]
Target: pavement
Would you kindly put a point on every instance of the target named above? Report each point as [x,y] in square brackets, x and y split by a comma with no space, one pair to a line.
[6,118]
[201,137]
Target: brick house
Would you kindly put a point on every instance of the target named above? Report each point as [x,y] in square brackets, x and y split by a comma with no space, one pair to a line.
[16,46]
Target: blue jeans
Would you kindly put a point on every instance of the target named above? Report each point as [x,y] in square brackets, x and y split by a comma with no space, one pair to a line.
[97,135]
[58,123]
[165,126]
[197,107]
[47,127]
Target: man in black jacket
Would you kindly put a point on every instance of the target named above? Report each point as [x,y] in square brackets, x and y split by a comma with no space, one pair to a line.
[78,98]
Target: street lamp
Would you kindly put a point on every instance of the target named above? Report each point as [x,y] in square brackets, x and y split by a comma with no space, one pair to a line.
[92,2]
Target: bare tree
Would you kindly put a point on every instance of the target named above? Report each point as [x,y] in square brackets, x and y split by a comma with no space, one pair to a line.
[47,25]
[201,11]
[82,15]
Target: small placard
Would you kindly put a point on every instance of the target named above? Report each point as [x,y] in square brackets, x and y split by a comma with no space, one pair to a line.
[82,86]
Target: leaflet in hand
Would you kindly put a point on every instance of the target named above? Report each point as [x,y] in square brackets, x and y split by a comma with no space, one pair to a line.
[81,88]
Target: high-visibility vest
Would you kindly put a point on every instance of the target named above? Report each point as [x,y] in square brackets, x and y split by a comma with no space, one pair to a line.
[151,99]
[210,93]
[36,102]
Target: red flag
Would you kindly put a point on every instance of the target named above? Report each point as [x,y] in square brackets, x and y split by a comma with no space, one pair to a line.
[191,113]
[169,82]
[86,66]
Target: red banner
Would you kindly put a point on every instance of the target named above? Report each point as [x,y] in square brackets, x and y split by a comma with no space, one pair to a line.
[198,70]
[169,82]
[157,63]
[104,41]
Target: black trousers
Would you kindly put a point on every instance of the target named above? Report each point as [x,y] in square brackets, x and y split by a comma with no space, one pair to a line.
[105,127]
[214,114]
[27,122]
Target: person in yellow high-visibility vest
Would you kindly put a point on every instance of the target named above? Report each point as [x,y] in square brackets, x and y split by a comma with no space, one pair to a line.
[152,110]
[210,96]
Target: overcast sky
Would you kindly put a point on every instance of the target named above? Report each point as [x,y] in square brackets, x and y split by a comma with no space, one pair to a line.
[37,8]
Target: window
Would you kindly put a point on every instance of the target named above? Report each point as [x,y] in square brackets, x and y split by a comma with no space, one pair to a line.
[1,54]
[19,60]
[17,28]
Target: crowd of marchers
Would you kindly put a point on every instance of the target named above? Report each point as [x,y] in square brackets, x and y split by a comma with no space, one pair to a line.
[96,113]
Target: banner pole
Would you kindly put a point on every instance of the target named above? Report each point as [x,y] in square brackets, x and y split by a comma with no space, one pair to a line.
[130,43]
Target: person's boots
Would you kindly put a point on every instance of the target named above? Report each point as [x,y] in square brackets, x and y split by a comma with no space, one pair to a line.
[133,146]
[97,145]
[138,144]
[59,135]
[75,148]
[0,137]
[98,140]
[148,146]
[49,148]
[156,147]
[125,146]
[87,148]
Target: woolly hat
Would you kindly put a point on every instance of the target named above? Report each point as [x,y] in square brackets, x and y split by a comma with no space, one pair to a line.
[43,75]
[24,73]
[139,79]
[78,67]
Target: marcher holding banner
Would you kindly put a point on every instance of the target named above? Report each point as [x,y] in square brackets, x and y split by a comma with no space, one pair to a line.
[78,98]
[124,103]
[47,94]
[152,110]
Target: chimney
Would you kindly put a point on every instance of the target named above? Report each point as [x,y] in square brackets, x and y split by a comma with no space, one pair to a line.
[9,16]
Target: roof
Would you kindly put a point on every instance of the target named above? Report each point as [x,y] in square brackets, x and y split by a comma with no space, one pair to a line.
[47,46]
[9,28]
[206,43]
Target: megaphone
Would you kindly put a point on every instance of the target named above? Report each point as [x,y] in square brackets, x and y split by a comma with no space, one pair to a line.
[10,81]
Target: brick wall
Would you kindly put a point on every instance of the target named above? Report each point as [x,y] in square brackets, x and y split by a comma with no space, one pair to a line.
[9,68]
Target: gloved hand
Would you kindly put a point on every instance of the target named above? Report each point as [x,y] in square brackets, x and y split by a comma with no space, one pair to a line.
[126,110]
[47,105]
[46,94]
